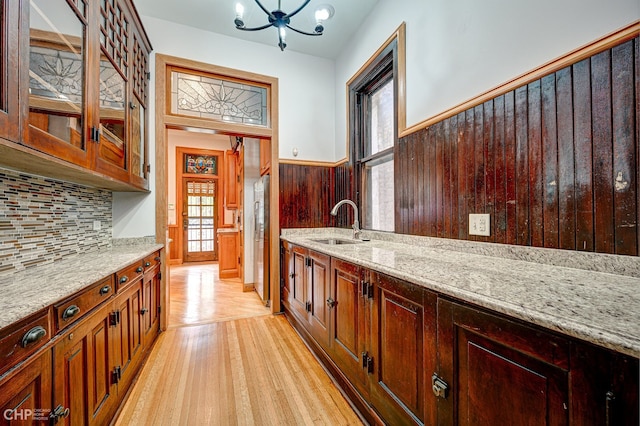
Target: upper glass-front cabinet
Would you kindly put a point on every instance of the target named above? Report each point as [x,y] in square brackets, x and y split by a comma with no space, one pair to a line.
[57,78]
[9,106]
[73,84]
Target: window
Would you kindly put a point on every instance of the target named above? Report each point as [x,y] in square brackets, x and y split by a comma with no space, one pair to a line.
[373,124]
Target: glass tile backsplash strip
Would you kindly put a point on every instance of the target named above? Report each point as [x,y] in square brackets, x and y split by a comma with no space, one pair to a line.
[43,220]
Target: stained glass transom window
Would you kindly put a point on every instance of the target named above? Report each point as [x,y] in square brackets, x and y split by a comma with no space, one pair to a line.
[201,164]
[218,99]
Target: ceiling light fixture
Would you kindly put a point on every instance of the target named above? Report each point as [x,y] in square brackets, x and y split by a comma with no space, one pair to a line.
[281,20]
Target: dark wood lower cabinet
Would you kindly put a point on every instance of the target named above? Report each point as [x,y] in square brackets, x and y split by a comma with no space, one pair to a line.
[150,312]
[82,374]
[82,371]
[350,322]
[25,395]
[402,350]
[499,371]
[406,355]
[127,331]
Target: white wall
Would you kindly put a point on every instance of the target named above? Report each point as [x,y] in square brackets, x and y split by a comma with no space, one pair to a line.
[306,109]
[458,49]
[455,51]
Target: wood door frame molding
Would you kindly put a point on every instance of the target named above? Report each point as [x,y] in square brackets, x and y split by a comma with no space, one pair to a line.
[164,121]
[181,175]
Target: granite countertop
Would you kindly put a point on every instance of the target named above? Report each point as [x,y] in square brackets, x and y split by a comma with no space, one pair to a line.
[599,307]
[28,291]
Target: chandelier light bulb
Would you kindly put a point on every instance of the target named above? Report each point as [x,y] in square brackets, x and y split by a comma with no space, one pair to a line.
[239,10]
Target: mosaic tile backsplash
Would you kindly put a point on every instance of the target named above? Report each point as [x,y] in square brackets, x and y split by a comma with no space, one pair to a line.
[43,220]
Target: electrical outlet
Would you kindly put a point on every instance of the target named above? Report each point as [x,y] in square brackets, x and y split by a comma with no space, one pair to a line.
[97,225]
[480,224]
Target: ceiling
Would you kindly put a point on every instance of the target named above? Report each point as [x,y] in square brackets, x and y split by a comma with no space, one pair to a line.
[218,15]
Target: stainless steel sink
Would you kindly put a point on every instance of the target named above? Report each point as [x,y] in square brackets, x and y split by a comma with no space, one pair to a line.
[336,241]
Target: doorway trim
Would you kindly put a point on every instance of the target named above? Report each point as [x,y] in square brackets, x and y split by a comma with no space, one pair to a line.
[164,121]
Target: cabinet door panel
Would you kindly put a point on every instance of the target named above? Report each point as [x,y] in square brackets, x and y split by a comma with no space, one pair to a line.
[397,387]
[83,371]
[25,397]
[484,358]
[128,333]
[319,295]
[350,319]
[298,299]
[56,84]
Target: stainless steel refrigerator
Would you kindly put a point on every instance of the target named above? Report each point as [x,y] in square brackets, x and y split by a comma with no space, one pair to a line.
[261,238]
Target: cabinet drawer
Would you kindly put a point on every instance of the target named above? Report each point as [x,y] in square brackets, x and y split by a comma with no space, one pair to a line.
[23,338]
[128,275]
[151,261]
[71,309]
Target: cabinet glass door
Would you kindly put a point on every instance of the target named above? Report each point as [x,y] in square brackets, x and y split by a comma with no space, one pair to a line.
[57,66]
[113,154]
[8,71]
[112,116]
[138,153]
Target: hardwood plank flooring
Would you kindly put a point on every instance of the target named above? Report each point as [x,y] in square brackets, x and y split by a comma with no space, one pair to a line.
[217,369]
[199,297]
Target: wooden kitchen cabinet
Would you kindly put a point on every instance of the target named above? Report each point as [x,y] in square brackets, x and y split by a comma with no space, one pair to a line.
[318,292]
[150,311]
[25,395]
[309,292]
[403,348]
[74,87]
[228,266]
[231,180]
[412,356]
[350,322]
[265,156]
[83,373]
[499,371]
[128,334]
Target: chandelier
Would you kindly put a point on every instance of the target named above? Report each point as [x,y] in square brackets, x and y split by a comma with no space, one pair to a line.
[281,20]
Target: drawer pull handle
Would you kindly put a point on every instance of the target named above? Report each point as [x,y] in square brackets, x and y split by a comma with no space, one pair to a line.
[157,258]
[33,335]
[124,279]
[139,269]
[70,312]
[147,264]
[143,311]
[104,290]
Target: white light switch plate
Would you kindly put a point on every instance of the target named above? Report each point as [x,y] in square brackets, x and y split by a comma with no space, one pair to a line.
[97,225]
[480,224]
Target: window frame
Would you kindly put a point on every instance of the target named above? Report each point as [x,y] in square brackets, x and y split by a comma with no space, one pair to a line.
[380,69]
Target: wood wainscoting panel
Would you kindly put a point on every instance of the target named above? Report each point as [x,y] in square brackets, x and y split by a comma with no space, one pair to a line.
[554,162]
[308,193]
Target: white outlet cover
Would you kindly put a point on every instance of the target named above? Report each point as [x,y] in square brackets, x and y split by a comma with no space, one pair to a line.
[97,225]
[480,224]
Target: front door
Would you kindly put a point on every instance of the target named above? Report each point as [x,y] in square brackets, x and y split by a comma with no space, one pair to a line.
[200,219]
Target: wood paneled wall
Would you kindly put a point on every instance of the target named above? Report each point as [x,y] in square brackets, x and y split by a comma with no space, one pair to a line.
[308,193]
[555,162]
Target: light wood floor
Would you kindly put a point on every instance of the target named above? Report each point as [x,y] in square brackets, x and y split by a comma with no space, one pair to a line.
[248,371]
[199,297]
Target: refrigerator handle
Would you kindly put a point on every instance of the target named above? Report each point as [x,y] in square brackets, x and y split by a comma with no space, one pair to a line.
[256,221]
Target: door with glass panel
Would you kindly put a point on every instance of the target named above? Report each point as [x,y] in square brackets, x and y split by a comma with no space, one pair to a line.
[56,89]
[200,220]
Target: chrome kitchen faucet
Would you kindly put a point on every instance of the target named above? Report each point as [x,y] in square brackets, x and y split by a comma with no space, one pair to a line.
[356,224]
